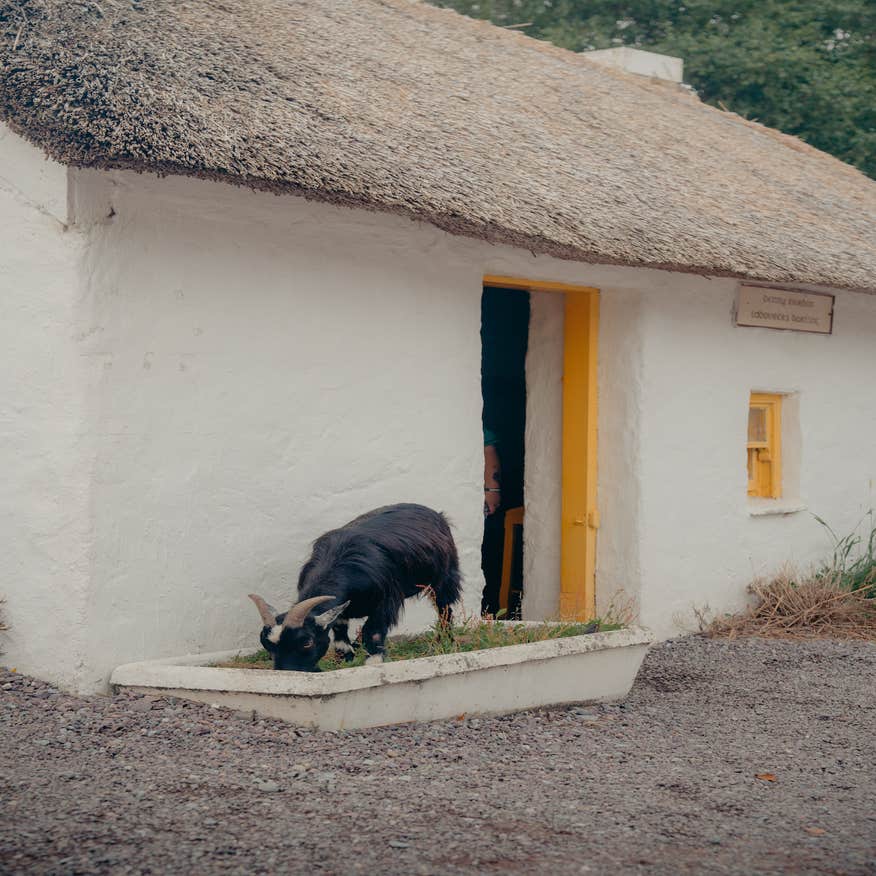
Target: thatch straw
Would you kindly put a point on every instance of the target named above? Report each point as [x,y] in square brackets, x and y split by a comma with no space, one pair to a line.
[815,607]
[398,106]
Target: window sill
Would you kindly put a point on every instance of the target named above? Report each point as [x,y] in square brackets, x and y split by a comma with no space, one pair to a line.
[769,507]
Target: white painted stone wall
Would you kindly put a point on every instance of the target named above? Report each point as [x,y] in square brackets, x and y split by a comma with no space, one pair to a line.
[202,379]
[621,396]
[699,541]
[543,468]
[273,368]
[45,457]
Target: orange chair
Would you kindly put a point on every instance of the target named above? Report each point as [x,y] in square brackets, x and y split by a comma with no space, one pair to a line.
[513,517]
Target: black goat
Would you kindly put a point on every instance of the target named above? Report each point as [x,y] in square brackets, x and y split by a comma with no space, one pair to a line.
[364,569]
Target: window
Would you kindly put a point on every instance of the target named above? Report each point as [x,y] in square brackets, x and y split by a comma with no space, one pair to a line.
[765,446]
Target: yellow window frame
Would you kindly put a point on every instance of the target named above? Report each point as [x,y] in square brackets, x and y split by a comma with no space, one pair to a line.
[764,446]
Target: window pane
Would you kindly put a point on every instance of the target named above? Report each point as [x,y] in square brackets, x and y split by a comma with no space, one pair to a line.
[757,425]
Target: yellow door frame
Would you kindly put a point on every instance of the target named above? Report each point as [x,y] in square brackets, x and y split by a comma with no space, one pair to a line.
[580,516]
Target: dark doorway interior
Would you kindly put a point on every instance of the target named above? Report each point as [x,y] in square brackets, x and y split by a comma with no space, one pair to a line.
[504,338]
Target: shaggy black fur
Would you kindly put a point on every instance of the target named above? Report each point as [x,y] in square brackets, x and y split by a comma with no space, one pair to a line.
[373,563]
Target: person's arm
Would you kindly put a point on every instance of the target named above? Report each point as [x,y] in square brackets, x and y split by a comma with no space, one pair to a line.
[492,479]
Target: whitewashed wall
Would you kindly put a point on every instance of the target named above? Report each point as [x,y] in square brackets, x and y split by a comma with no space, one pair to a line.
[543,468]
[204,379]
[273,369]
[45,457]
[700,542]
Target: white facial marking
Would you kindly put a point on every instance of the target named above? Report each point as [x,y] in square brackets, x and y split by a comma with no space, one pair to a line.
[374,660]
[274,635]
[343,647]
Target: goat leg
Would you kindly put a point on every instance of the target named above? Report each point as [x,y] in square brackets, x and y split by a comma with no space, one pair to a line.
[341,636]
[374,639]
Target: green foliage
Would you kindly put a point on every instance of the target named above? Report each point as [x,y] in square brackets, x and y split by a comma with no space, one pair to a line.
[473,635]
[806,67]
[853,564]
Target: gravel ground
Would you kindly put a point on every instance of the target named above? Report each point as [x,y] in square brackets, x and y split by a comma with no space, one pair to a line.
[664,783]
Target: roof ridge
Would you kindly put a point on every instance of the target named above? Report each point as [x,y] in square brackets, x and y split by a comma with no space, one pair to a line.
[634,79]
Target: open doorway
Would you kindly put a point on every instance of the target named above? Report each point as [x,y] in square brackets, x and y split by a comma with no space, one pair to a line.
[546,331]
[504,340]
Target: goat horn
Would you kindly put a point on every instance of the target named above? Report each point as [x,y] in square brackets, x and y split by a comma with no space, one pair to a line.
[295,616]
[268,612]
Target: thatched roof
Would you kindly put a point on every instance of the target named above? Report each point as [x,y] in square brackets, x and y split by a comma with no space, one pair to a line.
[395,105]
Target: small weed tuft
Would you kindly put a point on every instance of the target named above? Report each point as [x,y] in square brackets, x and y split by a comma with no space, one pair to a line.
[853,564]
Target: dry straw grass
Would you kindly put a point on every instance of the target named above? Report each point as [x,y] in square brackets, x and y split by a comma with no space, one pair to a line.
[837,600]
[817,606]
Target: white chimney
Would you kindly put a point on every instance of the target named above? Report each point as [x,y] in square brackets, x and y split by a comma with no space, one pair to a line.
[639,62]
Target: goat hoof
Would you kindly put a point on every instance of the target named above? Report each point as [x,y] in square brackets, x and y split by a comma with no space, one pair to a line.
[374,660]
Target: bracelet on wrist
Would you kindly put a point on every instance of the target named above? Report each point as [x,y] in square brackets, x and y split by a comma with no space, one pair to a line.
[492,490]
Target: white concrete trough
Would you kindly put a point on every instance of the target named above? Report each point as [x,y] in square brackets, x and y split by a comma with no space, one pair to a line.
[598,667]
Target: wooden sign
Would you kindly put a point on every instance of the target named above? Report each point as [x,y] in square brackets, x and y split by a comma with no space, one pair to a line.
[783,309]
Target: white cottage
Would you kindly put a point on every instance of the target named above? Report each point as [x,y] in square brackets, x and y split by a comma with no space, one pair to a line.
[244,251]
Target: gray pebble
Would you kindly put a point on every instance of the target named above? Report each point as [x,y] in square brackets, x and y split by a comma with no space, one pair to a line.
[663,785]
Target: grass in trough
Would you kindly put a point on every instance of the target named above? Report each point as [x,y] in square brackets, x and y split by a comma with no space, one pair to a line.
[835,600]
[472,635]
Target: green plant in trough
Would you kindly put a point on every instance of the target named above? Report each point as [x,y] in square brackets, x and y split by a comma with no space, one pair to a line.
[470,635]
